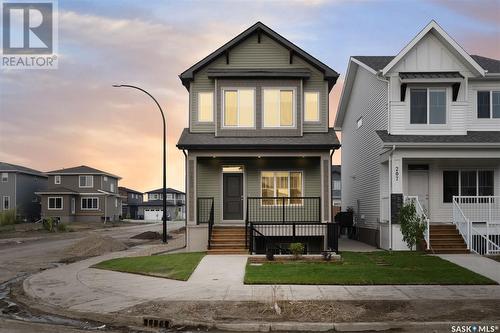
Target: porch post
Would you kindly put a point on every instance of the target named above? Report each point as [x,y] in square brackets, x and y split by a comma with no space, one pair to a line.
[396,187]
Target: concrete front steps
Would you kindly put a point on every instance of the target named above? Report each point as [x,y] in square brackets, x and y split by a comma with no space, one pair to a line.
[228,240]
[445,238]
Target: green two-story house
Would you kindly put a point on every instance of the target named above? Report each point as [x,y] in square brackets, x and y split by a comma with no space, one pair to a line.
[259,147]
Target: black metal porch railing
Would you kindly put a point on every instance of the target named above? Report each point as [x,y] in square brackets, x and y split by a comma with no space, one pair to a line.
[205,214]
[283,209]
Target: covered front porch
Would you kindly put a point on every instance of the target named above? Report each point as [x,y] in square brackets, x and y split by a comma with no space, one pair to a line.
[443,184]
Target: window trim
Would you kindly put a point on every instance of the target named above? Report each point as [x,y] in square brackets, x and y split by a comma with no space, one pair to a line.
[57,179]
[87,198]
[359,122]
[294,107]
[460,180]
[274,186]
[491,91]
[318,120]
[337,181]
[198,107]
[86,186]
[6,179]
[3,202]
[223,95]
[55,208]
[428,123]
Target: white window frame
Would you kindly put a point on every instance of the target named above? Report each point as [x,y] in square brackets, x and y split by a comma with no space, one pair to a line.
[359,122]
[237,89]
[294,107]
[112,187]
[116,202]
[89,198]
[275,188]
[86,186]
[57,179]
[339,183]
[491,91]
[5,177]
[105,178]
[55,200]
[460,179]
[198,106]
[3,202]
[317,93]
[429,89]
[73,205]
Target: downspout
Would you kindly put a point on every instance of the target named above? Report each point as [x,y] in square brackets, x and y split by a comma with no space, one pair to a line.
[380,78]
[390,196]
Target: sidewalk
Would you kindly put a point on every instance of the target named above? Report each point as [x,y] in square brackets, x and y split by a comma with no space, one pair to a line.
[80,288]
[476,263]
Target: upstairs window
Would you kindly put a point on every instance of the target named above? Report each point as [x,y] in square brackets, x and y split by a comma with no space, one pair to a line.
[337,185]
[311,106]
[57,180]
[427,106]
[5,177]
[488,104]
[205,107]
[278,108]
[239,108]
[86,181]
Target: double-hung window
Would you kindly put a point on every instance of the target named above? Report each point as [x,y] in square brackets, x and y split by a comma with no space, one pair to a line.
[239,108]
[467,182]
[428,106]
[55,203]
[6,203]
[90,203]
[279,184]
[278,107]
[488,104]
[86,181]
[205,107]
[57,179]
[5,177]
[311,106]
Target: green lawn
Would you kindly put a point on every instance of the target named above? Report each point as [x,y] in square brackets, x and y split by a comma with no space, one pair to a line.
[366,268]
[177,266]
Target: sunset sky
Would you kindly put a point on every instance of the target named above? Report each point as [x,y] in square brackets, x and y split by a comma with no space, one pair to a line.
[50,119]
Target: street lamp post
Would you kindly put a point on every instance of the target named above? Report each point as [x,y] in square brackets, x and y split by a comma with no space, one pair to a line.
[164,218]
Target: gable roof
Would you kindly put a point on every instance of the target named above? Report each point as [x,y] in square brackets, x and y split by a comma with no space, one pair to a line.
[169,190]
[126,189]
[489,64]
[81,170]
[330,75]
[7,167]
[447,39]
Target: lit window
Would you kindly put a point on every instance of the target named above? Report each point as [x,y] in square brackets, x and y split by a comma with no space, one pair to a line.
[239,108]
[205,107]
[279,184]
[311,105]
[278,108]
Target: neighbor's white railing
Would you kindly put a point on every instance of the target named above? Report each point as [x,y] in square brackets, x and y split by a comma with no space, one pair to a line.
[421,212]
[481,215]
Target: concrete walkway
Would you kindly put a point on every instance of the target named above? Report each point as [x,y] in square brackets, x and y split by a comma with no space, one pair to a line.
[476,263]
[80,288]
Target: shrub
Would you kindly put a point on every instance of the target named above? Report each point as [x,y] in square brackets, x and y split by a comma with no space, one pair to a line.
[61,227]
[413,226]
[297,249]
[8,217]
[270,255]
[49,224]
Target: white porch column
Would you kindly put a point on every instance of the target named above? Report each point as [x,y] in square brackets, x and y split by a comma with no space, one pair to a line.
[397,175]
[191,189]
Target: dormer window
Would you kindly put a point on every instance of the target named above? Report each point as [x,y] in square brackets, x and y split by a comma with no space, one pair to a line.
[278,108]
[205,107]
[488,104]
[239,108]
[428,106]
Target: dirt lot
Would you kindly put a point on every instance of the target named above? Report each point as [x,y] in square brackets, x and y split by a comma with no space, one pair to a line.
[324,311]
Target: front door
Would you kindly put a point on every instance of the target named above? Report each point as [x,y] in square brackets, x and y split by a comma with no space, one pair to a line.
[418,185]
[232,196]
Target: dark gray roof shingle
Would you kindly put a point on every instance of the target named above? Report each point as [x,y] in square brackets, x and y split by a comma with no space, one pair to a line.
[474,137]
[126,189]
[82,169]
[59,189]
[327,140]
[7,167]
[489,64]
[169,190]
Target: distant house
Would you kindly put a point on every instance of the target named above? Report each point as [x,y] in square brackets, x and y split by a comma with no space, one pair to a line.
[336,189]
[18,185]
[131,199]
[81,194]
[152,209]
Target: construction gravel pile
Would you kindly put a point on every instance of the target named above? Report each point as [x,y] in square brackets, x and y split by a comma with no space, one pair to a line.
[147,235]
[94,245]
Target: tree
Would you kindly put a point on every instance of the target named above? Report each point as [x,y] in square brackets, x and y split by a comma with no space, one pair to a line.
[413,226]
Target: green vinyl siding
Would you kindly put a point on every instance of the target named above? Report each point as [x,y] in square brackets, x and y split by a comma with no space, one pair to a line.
[266,54]
[209,175]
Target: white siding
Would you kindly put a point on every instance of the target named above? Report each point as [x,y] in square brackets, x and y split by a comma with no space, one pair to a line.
[361,146]
[475,124]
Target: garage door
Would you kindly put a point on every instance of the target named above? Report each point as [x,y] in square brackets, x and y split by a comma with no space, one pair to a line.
[153,214]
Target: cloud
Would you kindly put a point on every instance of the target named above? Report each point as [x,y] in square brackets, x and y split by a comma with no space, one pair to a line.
[487,11]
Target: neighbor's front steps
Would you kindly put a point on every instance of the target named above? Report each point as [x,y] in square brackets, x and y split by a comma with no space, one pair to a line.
[445,238]
[228,240]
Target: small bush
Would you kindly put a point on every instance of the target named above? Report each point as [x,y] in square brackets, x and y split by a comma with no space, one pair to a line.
[61,227]
[297,249]
[270,255]
[8,217]
[413,226]
[49,224]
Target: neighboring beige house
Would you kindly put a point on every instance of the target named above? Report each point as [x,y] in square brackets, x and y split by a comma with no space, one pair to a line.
[258,147]
[81,194]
